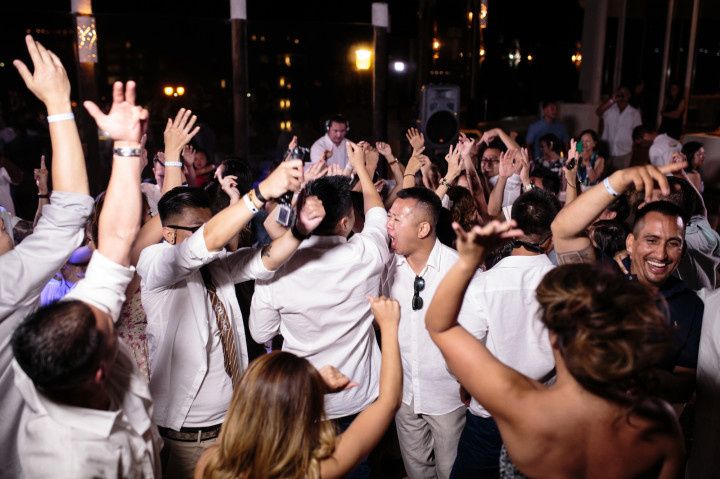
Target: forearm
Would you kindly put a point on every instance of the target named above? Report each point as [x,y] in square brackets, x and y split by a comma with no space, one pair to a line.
[571,191]
[120,216]
[280,250]
[68,161]
[509,143]
[226,224]
[371,198]
[390,366]
[38,213]
[494,207]
[445,306]
[604,107]
[173,174]
[572,220]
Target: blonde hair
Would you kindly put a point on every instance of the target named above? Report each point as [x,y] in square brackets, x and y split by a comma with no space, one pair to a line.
[275,426]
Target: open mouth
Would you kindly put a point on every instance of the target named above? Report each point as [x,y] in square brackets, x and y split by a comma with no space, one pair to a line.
[657,267]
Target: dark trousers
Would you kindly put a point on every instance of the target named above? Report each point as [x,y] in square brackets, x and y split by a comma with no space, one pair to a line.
[478,453]
[362,470]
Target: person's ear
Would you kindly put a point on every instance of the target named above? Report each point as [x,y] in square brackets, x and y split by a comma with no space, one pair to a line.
[629,243]
[424,230]
[100,374]
[169,234]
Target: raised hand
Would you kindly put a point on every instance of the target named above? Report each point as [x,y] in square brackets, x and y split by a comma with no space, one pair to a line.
[384,149]
[489,136]
[229,185]
[178,133]
[356,155]
[644,178]
[524,158]
[315,171]
[508,164]
[454,161]
[415,163]
[334,380]
[311,215]
[41,177]
[385,310]
[286,177]
[188,155]
[416,139]
[125,120]
[472,245]
[48,81]
[335,170]
[293,143]
[465,146]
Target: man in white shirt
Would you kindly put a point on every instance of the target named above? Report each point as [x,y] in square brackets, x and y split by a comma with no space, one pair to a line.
[25,269]
[318,299]
[432,415]
[88,411]
[333,146]
[196,338]
[507,317]
[619,119]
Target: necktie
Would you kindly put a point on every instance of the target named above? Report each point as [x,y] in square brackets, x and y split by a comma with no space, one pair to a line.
[227,335]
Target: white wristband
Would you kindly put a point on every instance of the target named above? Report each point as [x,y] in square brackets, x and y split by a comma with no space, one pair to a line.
[611,191]
[174,163]
[60,117]
[249,204]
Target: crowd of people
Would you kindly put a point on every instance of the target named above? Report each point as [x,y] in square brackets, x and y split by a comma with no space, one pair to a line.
[514,309]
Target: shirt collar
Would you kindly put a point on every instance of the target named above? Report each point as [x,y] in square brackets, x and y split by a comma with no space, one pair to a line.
[433,260]
[93,421]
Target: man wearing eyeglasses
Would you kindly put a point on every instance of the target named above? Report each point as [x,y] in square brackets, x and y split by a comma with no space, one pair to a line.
[432,415]
[196,338]
[490,164]
[506,317]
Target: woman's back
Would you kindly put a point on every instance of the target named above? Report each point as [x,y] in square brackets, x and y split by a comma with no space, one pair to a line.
[574,433]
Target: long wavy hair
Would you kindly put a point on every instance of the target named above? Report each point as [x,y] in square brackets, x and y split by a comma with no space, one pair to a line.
[611,333]
[275,427]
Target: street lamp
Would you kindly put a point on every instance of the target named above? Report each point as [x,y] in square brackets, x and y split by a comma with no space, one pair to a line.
[363,58]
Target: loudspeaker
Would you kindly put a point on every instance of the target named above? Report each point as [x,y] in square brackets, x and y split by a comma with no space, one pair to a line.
[439,109]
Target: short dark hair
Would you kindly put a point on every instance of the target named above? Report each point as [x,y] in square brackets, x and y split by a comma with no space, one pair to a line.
[232,166]
[334,192]
[640,131]
[609,236]
[689,149]
[59,346]
[685,196]
[593,134]
[552,141]
[621,207]
[664,207]
[550,180]
[534,212]
[174,202]
[426,198]
[337,119]
[547,102]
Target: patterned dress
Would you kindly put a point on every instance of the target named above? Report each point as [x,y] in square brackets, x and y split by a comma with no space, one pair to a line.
[131,329]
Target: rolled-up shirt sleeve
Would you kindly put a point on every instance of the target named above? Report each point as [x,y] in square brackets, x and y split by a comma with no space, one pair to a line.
[264,323]
[168,265]
[104,285]
[26,269]
[246,264]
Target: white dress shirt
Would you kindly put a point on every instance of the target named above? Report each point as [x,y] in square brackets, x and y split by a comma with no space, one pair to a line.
[24,271]
[339,152]
[513,188]
[508,317]
[318,302]
[57,440]
[180,315]
[662,148]
[427,383]
[618,127]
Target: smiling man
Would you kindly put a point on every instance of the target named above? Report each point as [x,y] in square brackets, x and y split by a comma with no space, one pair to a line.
[655,247]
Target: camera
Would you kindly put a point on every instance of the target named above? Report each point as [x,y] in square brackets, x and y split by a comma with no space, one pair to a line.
[285,215]
[300,153]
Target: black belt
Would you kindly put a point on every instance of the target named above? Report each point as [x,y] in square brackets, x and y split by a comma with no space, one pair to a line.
[191,434]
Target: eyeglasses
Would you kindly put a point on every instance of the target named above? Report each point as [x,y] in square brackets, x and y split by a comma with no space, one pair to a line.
[418,285]
[489,160]
[191,229]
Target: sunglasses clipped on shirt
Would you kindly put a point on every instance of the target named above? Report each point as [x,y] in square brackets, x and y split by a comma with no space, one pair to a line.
[418,286]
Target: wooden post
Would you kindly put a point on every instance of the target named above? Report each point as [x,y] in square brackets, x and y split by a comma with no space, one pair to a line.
[666,60]
[690,59]
[380,22]
[238,25]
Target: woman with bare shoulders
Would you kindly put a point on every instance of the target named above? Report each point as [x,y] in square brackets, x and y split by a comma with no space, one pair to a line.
[276,428]
[607,334]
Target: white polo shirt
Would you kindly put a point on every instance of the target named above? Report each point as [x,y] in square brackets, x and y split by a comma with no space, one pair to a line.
[618,127]
[339,152]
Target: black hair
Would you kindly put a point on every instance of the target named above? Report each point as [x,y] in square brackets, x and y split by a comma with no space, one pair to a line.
[337,119]
[640,131]
[609,236]
[550,180]
[621,207]
[534,212]
[552,141]
[233,166]
[685,196]
[664,207]
[593,134]
[334,192]
[689,149]
[174,202]
[547,102]
[425,198]
[59,346]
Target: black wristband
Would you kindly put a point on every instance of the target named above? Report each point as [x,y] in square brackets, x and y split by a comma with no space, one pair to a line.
[259,195]
[297,234]
[43,196]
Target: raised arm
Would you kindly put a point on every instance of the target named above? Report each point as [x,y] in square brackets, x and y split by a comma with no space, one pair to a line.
[454,162]
[41,181]
[570,174]
[569,238]
[120,216]
[50,84]
[605,106]
[356,156]
[507,140]
[369,427]
[509,166]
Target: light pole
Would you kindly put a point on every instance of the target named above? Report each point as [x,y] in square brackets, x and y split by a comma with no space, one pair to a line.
[238,25]
[380,22]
